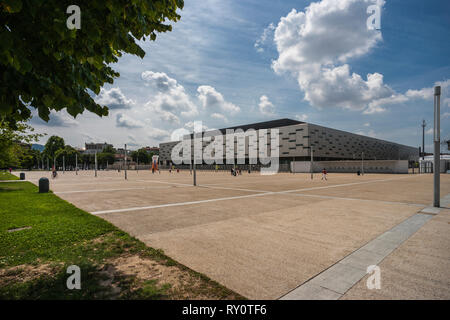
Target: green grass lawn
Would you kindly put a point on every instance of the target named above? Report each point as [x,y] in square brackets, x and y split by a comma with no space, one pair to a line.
[7,176]
[41,235]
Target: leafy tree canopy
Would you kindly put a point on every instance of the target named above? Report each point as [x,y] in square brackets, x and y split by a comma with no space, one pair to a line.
[47,66]
[69,153]
[11,142]
[54,143]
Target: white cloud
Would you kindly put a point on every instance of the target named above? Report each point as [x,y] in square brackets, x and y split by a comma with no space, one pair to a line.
[369,133]
[57,119]
[113,99]
[301,117]
[265,36]
[190,125]
[156,133]
[315,46]
[212,100]
[171,102]
[219,116]
[125,121]
[178,134]
[316,55]
[265,106]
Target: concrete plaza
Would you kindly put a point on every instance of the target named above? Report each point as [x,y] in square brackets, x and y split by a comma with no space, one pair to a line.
[285,235]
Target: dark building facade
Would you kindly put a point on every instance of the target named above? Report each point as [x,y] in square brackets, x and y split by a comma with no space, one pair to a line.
[298,139]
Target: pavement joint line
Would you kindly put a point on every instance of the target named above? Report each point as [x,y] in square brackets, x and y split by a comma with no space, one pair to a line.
[304,291]
[106,190]
[175,204]
[227,198]
[167,182]
[227,188]
[356,199]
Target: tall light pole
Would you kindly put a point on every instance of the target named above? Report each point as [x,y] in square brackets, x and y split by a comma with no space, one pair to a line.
[76,163]
[95,163]
[312,163]
[64,164]
[437,142]
[424,124]
[125,159]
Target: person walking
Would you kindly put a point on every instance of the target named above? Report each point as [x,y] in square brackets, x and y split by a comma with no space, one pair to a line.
[324,174]
[54,172]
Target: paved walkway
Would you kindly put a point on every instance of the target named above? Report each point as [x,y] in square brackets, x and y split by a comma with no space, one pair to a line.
[347,279]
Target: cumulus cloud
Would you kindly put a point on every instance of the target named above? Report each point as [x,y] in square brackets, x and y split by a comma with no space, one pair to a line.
[172,101]
[301,117]
[212,100]
[265,36]
[219,116]
[191,124]
[265,106]
[369,133]
[57,119]
[113,99]
[125,121]
[315,45]
[317,56]
[158,134]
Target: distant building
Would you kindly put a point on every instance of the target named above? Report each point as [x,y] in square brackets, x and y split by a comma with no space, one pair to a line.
[120,155]
[92,148]
[154,150]
[297,139]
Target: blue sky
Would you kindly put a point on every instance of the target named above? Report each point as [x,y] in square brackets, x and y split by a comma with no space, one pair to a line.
[235,62]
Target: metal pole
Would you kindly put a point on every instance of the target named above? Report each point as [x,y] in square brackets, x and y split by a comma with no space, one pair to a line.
[194,167]
[125,159]
[312,163]
[362,163]
[64,164]
[437,142]
[423,139]
[195,174]
[137,160]
[95,164]
[48,167]
[76,163]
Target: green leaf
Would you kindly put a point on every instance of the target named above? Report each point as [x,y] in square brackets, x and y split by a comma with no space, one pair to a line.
[12,6]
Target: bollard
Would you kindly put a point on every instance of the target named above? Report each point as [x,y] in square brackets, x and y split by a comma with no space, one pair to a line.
[43,185]
[22,176]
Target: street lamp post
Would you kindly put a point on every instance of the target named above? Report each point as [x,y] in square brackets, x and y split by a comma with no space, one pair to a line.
[424,124]
[125,161]
[96,164]
[437,142]
[312,163]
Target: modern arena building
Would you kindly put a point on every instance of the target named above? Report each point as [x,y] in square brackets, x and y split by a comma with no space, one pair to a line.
[297,139]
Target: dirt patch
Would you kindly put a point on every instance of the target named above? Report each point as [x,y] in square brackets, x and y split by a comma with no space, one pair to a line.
[180,283]
[24,273]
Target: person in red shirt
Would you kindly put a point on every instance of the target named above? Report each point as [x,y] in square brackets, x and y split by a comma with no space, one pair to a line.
[324,174]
